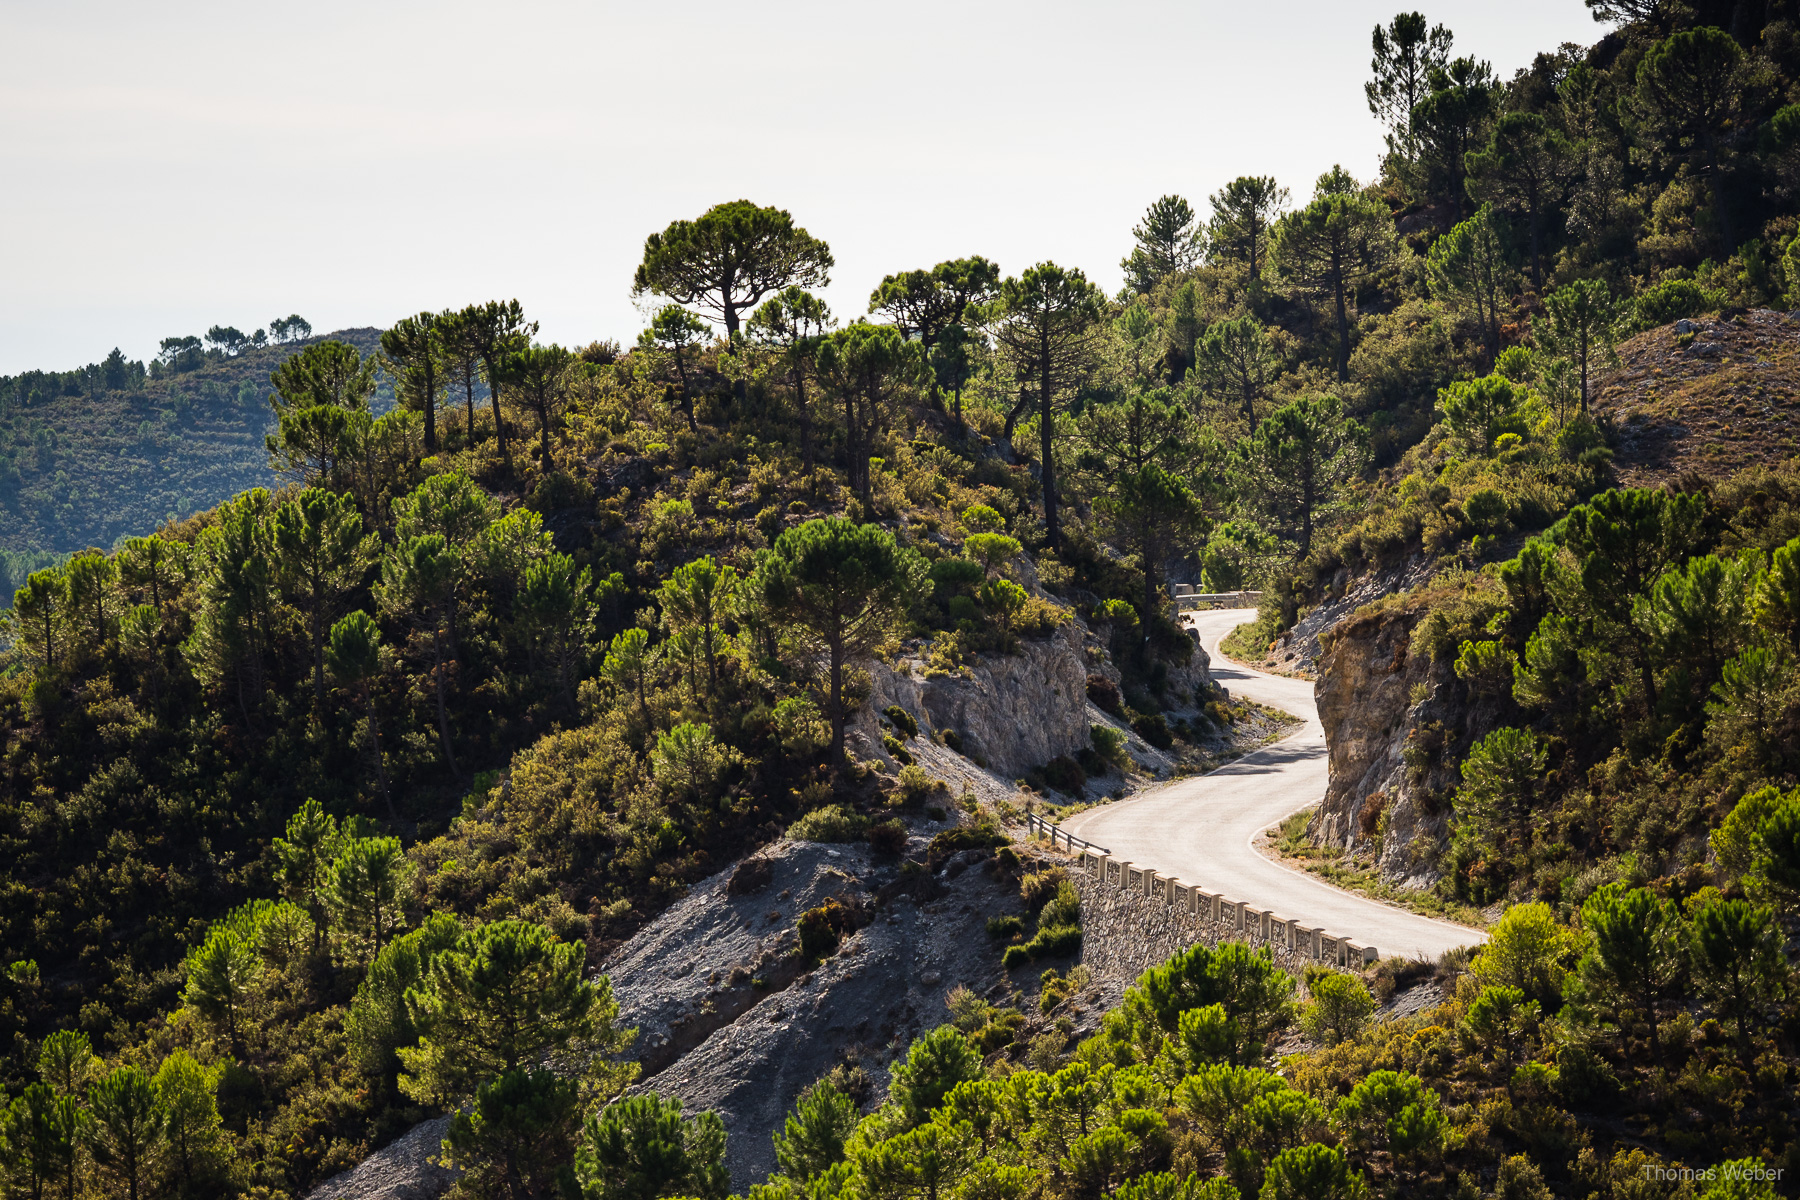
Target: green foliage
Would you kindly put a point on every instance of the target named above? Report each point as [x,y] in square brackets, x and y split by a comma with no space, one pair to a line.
[129,1124]
[1340,1007]
[518,1135]
[505,996]
[1255,996]
[837,588]
[1479,411]
[812,1141]
[934,1065]
[642,1148]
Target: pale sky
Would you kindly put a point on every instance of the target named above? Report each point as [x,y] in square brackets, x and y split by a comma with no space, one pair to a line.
[177,165]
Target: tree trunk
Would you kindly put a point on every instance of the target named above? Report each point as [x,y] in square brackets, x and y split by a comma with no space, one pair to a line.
[806,458]
[469,398]
[1718,192]
[380,766]
[1046,438]
[437,641]
[837,706]
[430,405]
[318,640]
[1537,258]
[1343,318]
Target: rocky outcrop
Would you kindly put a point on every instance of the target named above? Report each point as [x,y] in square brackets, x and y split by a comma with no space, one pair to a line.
[1297,651]
[1396,724]
[407,1168]
[1012,712]
[732,1018]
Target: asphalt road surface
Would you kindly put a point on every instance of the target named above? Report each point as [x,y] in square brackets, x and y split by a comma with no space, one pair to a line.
[1201,829]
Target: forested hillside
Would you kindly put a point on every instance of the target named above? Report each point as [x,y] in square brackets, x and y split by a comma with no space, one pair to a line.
[318,806]
[116,449]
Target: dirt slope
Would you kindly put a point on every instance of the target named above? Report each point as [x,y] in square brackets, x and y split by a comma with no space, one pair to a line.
[1705,396]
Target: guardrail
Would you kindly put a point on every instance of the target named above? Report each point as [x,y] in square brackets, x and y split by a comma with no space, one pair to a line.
[1234,916]
[1190,601]
[1036,825]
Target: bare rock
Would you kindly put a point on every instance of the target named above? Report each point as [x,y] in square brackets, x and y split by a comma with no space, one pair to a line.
[405,1169]
[1012,712]
[1395,723]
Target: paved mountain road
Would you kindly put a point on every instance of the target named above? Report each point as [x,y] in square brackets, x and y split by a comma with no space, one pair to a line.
[1202,829]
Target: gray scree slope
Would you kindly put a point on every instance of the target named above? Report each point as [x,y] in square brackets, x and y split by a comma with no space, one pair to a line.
[1201,830]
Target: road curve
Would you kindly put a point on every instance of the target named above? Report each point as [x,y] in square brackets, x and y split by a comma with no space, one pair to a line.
[1201,829]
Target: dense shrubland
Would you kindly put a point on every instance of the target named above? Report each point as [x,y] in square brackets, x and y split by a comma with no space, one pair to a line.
[319,804]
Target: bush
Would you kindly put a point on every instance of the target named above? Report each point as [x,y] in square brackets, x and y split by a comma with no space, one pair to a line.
[800,726]
[916,786]
[901,720]
[1340,1007]
[1065,775]
[1015,956]
[963,837]
[1105,694]
[1155,730]
[822,928]
[895,750]
[833,823]
[888,837]
[1063,909]
[1039,888]
[1055,942]
[1109,743]
[1005,929]
[1671,300]
[1092,762]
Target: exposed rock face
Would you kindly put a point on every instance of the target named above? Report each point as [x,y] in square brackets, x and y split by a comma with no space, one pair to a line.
[732,1018]
[1391,782]
[404,1169]
[1012,711]
[1297,651]
[745,1047]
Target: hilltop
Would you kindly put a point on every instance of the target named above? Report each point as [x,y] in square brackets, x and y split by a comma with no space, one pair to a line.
[84,464]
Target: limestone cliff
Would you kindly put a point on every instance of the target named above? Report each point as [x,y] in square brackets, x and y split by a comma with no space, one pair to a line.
[1396,724]
[1012,712]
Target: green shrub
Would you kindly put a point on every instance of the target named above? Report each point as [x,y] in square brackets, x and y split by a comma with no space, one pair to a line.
[1055,942]
[1109,743]
[895,750]
[1671,300]
[963,837]
[833,823]
[821,929]
[1065,775]
[1039,888]
[888,837]
[916,786]
[1015,956]
[1063,909]
[1005,929]
[901,720]
[1155,730]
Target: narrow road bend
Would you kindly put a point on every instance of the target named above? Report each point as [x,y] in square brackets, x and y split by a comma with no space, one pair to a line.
[1202,829]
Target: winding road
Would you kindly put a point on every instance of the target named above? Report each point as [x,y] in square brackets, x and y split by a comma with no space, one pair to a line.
[1202,829]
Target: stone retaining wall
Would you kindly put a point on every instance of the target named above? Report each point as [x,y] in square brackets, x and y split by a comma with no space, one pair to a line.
[1134,918]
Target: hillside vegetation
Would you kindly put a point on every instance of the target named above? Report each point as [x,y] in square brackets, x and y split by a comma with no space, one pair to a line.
[116,450]
[319,805]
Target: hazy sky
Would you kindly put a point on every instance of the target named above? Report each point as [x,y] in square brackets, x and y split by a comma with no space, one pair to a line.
[177,165]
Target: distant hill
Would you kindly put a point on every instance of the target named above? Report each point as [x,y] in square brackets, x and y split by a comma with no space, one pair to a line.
[84,464]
